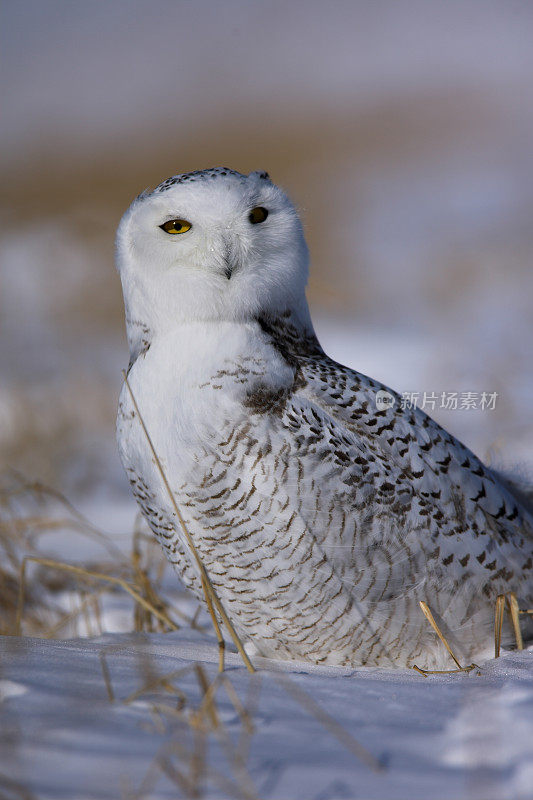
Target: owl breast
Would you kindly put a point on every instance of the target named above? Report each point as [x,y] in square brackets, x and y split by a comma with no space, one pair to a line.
[265,494]
[313,532]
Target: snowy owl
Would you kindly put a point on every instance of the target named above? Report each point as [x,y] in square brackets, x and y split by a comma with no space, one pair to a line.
[322,518]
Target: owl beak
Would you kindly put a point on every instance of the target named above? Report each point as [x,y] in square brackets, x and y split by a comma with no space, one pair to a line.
[228,269]
[230,256]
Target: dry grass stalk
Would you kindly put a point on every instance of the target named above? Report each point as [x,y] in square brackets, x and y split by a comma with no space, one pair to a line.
[211,596]
[161,681]
[514,612]
[177,777]
[204,772]
[243,714]
[107,677]
[425,672]
[91,575]
[144,619]
[218,632]
[83,608]
[44,612]
[15,537]
[76,521]
[149,585]
[498,623]
[208,705]
[208,709]
[249,710]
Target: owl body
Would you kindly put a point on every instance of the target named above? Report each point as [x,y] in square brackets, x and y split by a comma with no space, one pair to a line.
[322,519]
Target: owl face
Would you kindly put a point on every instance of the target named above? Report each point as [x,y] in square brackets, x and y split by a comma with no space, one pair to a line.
[211,245]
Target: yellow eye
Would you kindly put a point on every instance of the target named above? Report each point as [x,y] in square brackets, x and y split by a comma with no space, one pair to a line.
[258,214]
[176,226]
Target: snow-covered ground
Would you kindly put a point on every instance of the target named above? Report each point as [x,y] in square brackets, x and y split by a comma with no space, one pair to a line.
[302,732]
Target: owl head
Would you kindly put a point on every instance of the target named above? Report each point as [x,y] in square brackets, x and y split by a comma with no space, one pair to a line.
[211,245]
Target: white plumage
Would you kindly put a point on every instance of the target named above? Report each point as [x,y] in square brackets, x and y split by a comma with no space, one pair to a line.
[321,519]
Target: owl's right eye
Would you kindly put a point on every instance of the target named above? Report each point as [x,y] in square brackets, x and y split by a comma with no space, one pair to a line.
[258,214]
[176,226]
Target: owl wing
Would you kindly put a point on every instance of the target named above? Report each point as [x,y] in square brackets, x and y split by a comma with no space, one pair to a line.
[412,467]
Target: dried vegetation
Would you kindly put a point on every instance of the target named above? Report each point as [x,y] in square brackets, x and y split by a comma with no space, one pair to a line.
[186,717]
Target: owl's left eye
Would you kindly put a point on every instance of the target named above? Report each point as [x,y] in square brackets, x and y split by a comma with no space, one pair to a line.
[176,226]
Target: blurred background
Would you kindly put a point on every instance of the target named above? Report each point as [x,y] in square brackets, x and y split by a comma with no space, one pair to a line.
[403,132]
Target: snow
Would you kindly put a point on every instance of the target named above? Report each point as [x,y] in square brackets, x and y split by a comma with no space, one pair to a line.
[460,736]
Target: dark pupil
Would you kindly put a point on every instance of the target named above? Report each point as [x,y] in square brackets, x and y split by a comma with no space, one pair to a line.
[177,226]
[258,215]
